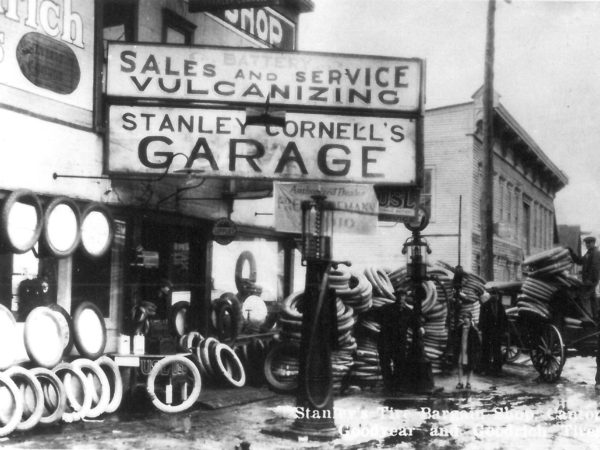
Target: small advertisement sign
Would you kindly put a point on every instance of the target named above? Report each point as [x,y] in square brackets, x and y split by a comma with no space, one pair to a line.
[251,75]
[397,204]
[264,25]
[349,149]
[356,206]
[47,49]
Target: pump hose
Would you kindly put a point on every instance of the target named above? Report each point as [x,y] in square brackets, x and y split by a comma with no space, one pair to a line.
[311,342]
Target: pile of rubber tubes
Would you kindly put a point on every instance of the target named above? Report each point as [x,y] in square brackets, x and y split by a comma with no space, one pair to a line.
[48,389]
[547,272]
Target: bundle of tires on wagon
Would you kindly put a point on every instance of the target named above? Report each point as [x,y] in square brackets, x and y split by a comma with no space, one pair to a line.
[359,297]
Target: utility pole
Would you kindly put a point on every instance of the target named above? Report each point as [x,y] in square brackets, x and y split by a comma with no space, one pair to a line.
[487,191]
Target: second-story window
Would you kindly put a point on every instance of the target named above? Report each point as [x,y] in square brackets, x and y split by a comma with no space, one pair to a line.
[176,29]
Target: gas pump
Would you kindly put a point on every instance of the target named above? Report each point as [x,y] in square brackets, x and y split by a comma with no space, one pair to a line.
[314,398]
[416,249]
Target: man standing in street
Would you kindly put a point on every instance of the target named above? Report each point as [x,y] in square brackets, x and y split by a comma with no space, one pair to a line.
[590,274]
[590,271]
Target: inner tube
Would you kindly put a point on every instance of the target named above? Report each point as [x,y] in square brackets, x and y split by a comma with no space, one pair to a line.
[100,390]
[229,366]
[191,397]
[55,396]
[66,325]
[71,375]
[89,329]
[29,198]
[242,283]
[115,382]
[11,422]
[31,391]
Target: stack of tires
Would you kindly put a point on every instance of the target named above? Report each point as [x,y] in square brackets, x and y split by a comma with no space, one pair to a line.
[47,389]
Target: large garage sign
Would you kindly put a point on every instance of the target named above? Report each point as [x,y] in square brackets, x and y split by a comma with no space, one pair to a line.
[356,149]
[251,75]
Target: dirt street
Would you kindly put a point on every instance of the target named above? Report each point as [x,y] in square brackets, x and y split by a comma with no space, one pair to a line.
[511,411]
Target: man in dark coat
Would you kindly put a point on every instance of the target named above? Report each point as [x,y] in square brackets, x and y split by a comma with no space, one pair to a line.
[493,324]
[590,274]
[590,271]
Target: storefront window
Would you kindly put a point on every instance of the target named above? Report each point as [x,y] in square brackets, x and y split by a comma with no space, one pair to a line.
[248,267]
[91,281]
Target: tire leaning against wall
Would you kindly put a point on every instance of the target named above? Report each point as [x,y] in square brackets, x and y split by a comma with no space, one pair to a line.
[9,202]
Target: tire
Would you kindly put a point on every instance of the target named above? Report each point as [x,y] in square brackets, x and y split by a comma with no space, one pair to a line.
[15,418]
[9,202]
[48,379]
[45,245]
[226,370]
[83,347]
[68,331]
[97,207]
[8,334]
[194,394]
[548,353]
[75,409]
[245,256]
[205,355]
[227,303]
[178,309]
[36,344]
[275,384]
[22,376]
[99,402]
[113,374]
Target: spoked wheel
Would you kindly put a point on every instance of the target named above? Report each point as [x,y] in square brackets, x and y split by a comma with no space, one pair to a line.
[548,353]
[511,345]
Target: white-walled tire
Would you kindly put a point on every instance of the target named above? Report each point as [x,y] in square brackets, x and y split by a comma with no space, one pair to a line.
[229,366]
[76,409]
[55,396]
[30,388]
[113,374]
[8,389]
[188,398]
[100,390]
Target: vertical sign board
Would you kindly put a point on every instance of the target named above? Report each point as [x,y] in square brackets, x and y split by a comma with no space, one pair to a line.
[348,149]
[355,206]
[249,76]
[47,49]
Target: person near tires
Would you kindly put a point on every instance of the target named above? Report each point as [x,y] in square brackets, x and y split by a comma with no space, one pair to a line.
[470,346]
[394,319]
[493,323]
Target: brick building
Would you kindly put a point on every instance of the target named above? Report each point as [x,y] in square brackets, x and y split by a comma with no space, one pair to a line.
[525,185]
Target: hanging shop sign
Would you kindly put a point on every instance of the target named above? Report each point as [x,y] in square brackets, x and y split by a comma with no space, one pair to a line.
[265,26]
[224,231]
[219,5]
[47,49]
[397,204]
[356,207]
[349,149]
[251,75]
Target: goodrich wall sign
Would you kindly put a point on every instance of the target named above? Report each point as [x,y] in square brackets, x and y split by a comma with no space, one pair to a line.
[250,76]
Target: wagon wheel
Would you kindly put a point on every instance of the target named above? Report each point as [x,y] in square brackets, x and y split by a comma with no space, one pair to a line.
[548,353]
[511,344]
